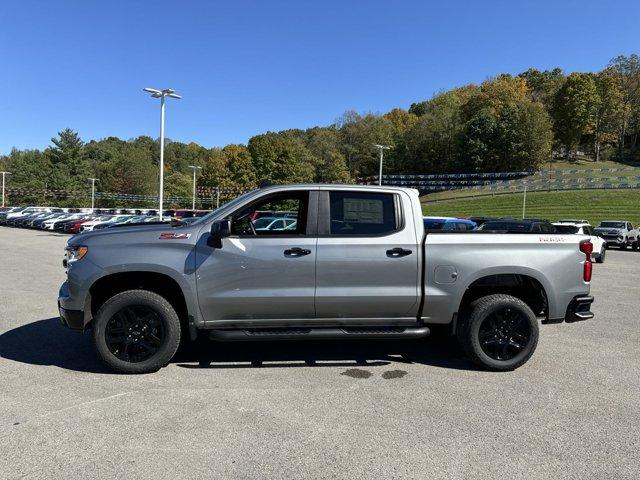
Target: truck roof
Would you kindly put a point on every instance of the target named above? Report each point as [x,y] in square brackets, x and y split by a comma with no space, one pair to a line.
[341,186]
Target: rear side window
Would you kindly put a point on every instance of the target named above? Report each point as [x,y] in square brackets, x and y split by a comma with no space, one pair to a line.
[361,213]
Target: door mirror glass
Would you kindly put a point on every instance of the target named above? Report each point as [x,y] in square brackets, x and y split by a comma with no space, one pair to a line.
[219,230]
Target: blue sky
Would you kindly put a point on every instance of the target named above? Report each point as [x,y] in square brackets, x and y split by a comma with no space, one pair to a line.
[245,67]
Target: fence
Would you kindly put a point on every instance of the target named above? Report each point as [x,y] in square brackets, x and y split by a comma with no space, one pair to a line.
[574,179]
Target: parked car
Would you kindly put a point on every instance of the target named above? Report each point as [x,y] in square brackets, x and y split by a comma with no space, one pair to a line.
[23,212]
[448,223]
[518,226]
[4,215]
[264,224]
[618,233]
[115,220]
[49,223]
[73,226]
[187,213]
[582,227]
[357,265]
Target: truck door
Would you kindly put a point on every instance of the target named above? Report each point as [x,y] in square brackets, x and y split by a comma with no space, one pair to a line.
[266,269]
[368,258]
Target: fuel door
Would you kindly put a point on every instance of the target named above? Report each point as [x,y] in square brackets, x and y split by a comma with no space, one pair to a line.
[446,274]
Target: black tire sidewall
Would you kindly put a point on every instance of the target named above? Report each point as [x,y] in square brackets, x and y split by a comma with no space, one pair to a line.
[156,303]
[480,310]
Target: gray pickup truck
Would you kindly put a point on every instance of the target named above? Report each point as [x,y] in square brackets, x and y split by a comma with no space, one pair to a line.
[350,262]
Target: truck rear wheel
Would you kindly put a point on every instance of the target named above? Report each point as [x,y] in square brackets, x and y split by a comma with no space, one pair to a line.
[136,331]
[498,332]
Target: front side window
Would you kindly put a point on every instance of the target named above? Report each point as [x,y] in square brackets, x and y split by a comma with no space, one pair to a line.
[279,214]
[362,213]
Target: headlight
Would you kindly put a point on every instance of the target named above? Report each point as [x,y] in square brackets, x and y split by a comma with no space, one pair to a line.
[73,254]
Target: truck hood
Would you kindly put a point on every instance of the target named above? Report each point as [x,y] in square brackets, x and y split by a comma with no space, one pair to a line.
[135,234]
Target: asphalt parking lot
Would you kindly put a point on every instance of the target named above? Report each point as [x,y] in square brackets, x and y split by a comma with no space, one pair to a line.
[317,410]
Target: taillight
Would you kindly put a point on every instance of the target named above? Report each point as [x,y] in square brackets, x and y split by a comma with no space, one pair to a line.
[586,247]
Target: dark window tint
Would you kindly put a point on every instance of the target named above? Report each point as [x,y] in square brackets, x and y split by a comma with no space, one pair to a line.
[355,213]
[433,225]
[567,229]
[508,226]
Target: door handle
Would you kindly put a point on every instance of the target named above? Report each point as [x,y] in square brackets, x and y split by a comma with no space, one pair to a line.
[398,252]
[296,252]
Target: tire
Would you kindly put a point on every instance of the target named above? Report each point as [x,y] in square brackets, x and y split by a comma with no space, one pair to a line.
[136,331]
[634,246]
[623,246]
[489,353]
[600,258]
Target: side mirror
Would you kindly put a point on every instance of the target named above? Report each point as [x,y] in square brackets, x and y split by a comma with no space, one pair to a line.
[219,230]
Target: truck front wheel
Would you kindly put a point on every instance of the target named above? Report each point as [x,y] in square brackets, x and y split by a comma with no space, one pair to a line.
[498,332]
[136,331]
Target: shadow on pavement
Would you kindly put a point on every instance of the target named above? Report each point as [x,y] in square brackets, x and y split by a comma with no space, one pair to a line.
[47,342]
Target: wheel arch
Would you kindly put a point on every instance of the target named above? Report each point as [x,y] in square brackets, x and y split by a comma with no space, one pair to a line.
[528,287]
[161,283]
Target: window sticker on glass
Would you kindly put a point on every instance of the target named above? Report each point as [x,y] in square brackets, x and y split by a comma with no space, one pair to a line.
[358,210]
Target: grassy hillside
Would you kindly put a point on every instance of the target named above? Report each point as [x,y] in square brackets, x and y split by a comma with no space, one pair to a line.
[580,169]
[593,205]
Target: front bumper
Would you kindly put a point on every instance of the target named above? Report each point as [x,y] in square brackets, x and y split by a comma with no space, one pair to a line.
[74,319]
[70,315]
[613,241]
[579,309]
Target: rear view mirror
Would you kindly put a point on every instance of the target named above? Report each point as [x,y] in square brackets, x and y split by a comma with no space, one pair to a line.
[219,230]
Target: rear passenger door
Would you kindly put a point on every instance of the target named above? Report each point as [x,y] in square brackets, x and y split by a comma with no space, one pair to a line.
[367,264]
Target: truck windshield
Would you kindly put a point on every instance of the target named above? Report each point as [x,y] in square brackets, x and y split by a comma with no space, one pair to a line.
[612,224]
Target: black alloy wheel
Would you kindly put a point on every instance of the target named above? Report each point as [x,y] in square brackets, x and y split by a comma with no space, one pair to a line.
[504,334]
[135,333]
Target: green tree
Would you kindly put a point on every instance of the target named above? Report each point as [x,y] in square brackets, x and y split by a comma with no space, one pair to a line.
[281,158]
[574,110]
[543,85]
[431,145]
[241,170]
[70,167]
[359,134]
[504,130]
[627,70]
[609,110]
[329,161]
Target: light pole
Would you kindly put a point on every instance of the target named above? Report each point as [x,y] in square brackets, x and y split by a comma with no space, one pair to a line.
[382,148]
[3,176]
[195,169]
[93,191]
[155,93]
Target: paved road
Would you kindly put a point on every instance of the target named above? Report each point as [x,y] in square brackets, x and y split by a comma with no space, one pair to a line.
[356,410]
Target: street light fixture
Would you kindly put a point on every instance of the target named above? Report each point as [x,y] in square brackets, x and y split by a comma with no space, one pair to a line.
[382,148]
[161,94]
[3,176]
[195,169]
[93,191]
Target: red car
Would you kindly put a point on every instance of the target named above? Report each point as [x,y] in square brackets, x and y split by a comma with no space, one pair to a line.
[74,227]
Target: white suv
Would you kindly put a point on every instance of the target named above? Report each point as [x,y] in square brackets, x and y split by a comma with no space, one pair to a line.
[582,227]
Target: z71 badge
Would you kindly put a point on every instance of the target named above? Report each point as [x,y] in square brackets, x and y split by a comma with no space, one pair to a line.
[174,236]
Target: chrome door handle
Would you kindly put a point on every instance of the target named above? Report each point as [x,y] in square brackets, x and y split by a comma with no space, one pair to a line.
[398,252]
[296,252]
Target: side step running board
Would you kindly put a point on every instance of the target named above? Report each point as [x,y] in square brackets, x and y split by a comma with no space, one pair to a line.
[263,334]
